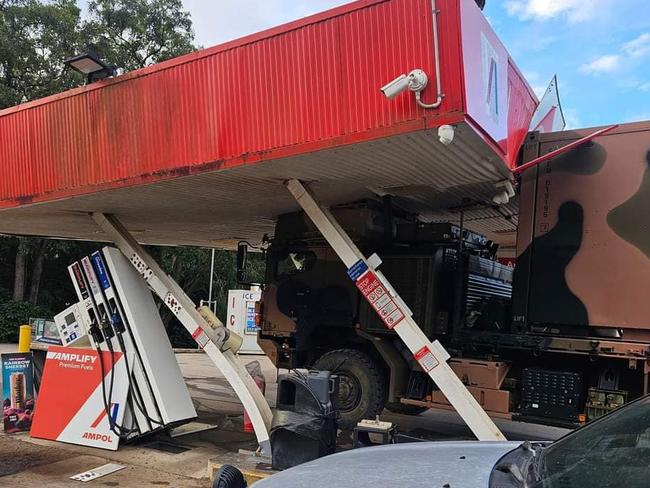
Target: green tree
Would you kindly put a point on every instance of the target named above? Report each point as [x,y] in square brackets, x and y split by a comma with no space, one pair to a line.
[14,314]
[133,34]
[35,38]
[190,267]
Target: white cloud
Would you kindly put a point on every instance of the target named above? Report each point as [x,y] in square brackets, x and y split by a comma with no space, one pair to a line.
[531,76]
[220,21]
[609,63]
[644,86]
[540,90]
[537,83]
[541,43]
[604,64]
[571,118]
[639,46]
[573,10]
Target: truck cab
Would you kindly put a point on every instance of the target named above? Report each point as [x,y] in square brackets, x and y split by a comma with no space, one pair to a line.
[555,331]
[312,315]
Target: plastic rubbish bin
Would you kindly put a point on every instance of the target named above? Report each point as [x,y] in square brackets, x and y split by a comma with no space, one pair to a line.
[305,423]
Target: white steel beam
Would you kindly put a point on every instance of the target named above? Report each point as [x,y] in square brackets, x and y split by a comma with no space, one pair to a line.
[212,340]
[431,356]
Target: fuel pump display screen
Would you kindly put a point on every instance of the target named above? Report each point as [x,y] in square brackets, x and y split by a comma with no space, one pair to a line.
[70,321]
[69,327]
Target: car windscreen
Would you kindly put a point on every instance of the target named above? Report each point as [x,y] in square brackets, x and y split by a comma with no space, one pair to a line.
[611,452]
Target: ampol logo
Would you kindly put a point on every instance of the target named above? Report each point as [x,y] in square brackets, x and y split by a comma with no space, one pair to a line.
[94,436]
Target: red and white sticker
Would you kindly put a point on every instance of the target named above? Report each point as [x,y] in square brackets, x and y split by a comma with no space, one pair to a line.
[379,298]
[426,359]
[200,337]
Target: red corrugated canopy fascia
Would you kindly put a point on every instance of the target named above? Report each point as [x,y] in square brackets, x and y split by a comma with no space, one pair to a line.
[302,87]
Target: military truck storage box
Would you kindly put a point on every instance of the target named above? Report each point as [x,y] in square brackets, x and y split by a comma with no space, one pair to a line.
[583,242]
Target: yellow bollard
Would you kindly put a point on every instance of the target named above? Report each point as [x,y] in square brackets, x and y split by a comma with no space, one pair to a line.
[24,338]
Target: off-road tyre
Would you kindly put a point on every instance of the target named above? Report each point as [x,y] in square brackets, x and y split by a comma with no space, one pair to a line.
[362,388]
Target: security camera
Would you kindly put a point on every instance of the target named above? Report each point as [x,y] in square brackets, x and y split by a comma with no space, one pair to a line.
[506,193]
[501,198]
[446,134]
[395,87]
[416,81]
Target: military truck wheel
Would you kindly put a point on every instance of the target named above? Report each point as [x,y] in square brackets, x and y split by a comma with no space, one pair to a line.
[403,409]
[361,385]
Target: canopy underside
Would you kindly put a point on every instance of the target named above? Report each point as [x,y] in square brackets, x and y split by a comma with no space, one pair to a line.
[219,208]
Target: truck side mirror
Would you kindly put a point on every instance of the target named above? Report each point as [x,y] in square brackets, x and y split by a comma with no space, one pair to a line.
[242,257]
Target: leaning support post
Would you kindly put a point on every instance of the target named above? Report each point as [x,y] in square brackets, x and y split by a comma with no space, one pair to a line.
[212,339]
[396,315]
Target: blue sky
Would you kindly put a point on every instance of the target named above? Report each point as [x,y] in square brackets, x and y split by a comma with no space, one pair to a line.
[600,49]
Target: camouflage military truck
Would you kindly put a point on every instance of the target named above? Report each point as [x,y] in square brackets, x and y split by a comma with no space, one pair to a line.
[562,340]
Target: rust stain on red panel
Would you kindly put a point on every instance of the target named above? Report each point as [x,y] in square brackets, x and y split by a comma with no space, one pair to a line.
[312,81]
[309,85]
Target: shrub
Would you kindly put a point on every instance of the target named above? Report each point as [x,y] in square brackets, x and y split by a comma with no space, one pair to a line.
[14,314]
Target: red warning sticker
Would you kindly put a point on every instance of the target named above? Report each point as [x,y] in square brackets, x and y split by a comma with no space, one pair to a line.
[426,359]
[200,337]
[380,299]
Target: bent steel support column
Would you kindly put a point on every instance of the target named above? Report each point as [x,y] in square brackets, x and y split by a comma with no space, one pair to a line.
[211,340]
[396,315]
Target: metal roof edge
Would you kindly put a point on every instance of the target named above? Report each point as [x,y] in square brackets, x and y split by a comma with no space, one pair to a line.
[197,55]
[572,134]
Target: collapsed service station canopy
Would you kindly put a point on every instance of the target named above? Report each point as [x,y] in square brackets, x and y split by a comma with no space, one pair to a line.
[195,150]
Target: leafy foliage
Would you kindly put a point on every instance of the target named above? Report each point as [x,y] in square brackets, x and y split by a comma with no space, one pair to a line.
[7,256]
[14,314]
[190,267]
[133,34]
[35,38]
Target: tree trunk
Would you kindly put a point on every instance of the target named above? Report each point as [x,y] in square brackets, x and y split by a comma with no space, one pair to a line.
[166,316]
[19,274]
[37,273]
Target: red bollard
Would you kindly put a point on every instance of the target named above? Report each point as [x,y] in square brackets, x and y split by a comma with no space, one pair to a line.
[261,383]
